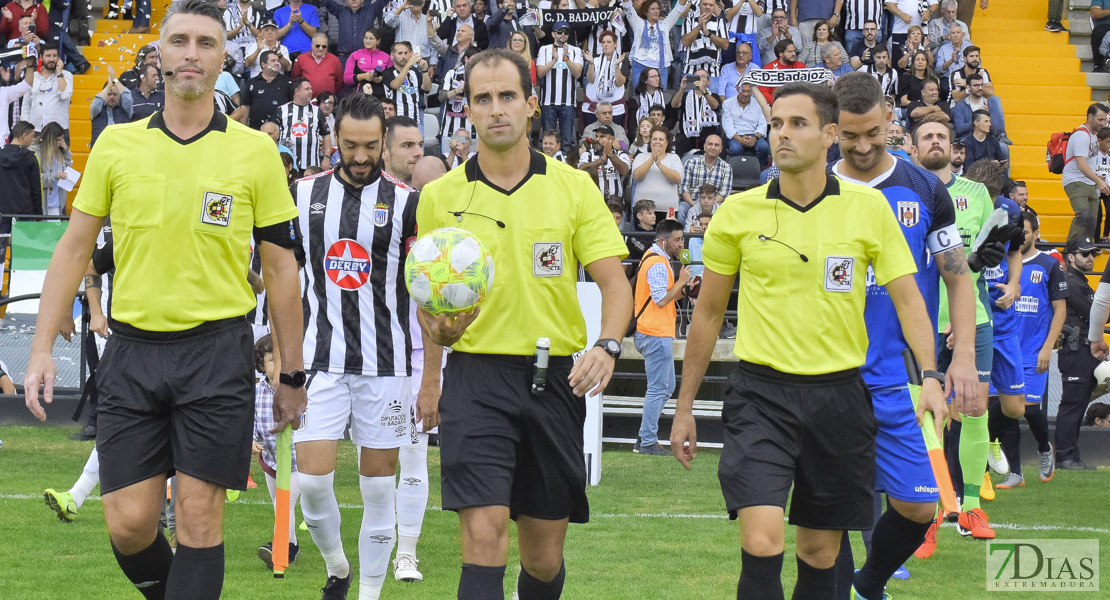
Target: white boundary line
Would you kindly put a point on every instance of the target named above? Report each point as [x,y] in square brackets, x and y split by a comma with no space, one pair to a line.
[660,515]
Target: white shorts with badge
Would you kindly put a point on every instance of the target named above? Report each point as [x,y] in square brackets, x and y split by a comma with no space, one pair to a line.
[380,410]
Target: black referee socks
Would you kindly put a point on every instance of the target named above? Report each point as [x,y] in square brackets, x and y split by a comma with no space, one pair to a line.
[893,543]
[814,583]
[482,583]
[197,573]
[530,588]
[760,576]
[149,569]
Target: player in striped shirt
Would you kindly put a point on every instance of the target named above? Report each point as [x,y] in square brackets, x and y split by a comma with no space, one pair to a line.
[357,221]
[305,130]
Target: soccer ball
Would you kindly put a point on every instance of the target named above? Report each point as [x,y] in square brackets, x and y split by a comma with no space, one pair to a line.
[448,271]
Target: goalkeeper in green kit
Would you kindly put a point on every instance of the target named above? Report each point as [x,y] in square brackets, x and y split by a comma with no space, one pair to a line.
[967,440]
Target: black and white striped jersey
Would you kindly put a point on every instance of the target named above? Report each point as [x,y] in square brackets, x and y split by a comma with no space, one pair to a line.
[888,80]
[407,97]
[606,175]
[356,304]
[259,315]
[224,103]
[233,15]
[454,109]
[858,12]
[744,21]
[560,86]
[303,129]
[703,54]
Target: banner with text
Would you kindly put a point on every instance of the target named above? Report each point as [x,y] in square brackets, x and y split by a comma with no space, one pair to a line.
[780,77]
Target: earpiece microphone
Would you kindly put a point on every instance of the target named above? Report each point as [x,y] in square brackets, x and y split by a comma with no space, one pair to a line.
[764,238]
[459,213]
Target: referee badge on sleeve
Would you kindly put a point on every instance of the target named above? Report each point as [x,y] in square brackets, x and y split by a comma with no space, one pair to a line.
[547,259]
[838,273]
[216,209]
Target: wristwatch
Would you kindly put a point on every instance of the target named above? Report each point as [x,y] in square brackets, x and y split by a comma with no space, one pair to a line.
[295,380]
[610,346]
[933,375]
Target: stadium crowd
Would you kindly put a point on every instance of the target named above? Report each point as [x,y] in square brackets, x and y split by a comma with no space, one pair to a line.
[661,105]
[610,77]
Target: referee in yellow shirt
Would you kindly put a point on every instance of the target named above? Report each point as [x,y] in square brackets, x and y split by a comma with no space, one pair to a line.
[510,450]
[797,412]
[185,189]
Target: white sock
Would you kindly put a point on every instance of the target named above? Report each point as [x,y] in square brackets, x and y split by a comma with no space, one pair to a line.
[88,480]
[376,538]
[406,544]
[321,512]
[294,494]
[412,494]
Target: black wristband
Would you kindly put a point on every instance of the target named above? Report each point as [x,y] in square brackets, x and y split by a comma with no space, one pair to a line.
[933,375]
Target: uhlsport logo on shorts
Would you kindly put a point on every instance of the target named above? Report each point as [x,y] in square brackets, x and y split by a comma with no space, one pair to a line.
[1042,565]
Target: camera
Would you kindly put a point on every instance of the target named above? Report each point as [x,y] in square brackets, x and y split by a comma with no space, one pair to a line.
[435,13]
[31,28]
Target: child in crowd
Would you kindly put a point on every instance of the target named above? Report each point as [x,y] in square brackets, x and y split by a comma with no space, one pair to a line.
[265,443]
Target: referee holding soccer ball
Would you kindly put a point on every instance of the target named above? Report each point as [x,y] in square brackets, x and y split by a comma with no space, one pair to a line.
[186,189]
[510,451]
[797,412]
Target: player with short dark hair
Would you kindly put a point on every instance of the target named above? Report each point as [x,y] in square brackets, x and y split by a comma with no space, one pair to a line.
[176,384]
[511,451]
[798,412]
[358,222]
[928,221]
[1041,311]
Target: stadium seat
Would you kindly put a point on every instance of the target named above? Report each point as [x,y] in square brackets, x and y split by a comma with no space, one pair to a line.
[745,172]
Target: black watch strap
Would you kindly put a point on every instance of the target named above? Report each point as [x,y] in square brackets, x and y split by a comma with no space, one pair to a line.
[611,346]
[933,375]
[295,380]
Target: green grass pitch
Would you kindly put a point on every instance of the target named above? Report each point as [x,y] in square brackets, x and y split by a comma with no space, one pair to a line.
[656,532]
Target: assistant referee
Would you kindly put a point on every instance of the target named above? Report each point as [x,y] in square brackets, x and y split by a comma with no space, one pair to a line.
[508,452]
[797,411]
[185,189]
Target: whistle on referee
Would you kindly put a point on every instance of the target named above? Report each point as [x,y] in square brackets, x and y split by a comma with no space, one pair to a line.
[539,367]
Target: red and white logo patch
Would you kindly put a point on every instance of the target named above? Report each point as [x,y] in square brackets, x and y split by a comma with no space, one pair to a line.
[347,264]
[299,129]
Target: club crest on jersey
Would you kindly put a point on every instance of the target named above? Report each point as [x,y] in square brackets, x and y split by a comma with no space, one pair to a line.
[838,273]
[299,129]
[381,215]
[961,202]
[909,212]
[216,209]
[1036,277]
[547,259]
[347,264]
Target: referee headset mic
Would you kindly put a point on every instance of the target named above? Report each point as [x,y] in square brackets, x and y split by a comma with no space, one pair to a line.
[771,238]
[466,211]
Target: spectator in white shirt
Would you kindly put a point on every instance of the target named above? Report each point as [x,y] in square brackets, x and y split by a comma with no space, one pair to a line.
[745,124]
[10,93]
[50,95]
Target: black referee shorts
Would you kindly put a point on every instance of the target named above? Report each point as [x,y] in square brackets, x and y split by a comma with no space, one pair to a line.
[815,432]
[502,446]
[180,401]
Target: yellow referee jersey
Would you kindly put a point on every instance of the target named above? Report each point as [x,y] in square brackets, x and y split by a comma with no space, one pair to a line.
[553,220]
[803,285]
[182,213]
